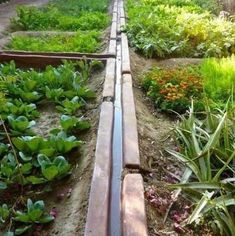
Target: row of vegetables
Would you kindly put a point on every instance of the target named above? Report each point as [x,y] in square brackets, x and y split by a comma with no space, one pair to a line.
[180,28]
[87,19]
[29,162]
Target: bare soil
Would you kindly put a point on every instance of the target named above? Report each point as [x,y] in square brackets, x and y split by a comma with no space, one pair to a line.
[154,129]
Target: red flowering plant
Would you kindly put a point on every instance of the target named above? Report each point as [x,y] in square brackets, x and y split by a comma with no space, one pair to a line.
[173,89]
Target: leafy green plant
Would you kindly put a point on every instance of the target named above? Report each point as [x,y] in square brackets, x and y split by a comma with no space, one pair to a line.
[35,214]
[70,107]
[30,144]
[11,172]
[162,30]
[63,143]
[19,108]
[57,168]
[73,7]
[54,94]
[50,18]
[198,5]
[219,78]
[73,124]
[207,149]
[29,161]
[20,125]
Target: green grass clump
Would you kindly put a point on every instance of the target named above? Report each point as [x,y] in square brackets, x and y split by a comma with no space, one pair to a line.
[219,78]
[159,29]
[86,42]
[51,18]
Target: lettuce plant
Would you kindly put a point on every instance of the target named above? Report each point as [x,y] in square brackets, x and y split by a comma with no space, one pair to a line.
[35,214]
[63,143]
[70,107]
[20,125]
[73,124]
[56,168]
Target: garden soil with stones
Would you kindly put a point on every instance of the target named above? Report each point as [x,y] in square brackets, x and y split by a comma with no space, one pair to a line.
[154,136]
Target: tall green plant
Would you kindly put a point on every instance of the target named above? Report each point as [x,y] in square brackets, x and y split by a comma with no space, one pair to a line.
[208,152]
[219,77]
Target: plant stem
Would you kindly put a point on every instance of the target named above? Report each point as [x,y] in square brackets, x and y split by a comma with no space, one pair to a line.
[14,152]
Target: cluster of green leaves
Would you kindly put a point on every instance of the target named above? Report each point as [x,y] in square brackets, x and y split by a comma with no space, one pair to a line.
[86,42]
[50,18]
[25,157]
[34,213]
[173,89]
[206,145]
[159,29]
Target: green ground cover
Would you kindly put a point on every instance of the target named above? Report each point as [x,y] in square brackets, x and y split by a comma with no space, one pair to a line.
[86,42]
[51,18]
[179,28]
[88,18]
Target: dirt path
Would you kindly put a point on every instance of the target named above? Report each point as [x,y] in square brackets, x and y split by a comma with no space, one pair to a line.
[7,11]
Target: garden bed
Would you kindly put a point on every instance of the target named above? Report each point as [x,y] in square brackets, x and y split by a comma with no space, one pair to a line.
[67,199]
[89,21]
[179,29]
[54,41]
[160,169]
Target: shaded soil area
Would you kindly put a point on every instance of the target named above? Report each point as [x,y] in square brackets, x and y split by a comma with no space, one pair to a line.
[159,169]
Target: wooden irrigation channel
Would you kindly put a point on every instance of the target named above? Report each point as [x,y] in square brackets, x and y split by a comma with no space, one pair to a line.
[116,202]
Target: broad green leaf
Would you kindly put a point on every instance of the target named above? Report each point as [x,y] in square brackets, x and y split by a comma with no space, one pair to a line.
[26,168]
[35,180]
[35,215]
[50,173]
[22,217]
